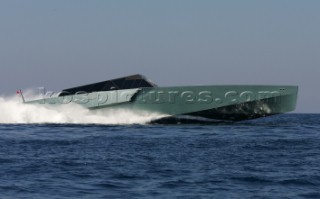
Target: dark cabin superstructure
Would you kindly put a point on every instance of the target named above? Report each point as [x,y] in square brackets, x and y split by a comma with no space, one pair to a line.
[128,82]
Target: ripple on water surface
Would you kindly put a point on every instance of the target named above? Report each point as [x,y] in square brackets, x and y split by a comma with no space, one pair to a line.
[275,157]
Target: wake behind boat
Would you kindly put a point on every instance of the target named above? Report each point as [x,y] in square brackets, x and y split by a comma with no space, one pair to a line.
[220,102]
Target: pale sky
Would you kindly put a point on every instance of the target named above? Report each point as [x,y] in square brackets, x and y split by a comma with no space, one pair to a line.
[60,44]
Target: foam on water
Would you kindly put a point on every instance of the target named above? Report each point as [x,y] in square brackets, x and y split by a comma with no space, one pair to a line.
[13,111]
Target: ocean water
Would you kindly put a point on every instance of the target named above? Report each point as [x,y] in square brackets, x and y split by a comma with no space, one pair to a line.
[274,157]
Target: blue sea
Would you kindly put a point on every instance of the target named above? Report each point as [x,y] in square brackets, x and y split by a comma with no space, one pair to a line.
[273,157]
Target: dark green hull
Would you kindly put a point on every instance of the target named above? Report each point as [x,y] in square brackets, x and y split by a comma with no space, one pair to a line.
[213,102]
[219,102]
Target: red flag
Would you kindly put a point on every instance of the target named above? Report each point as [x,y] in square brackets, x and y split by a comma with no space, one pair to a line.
[18,91]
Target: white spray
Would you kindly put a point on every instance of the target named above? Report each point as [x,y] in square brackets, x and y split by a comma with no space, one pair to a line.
[13,111]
